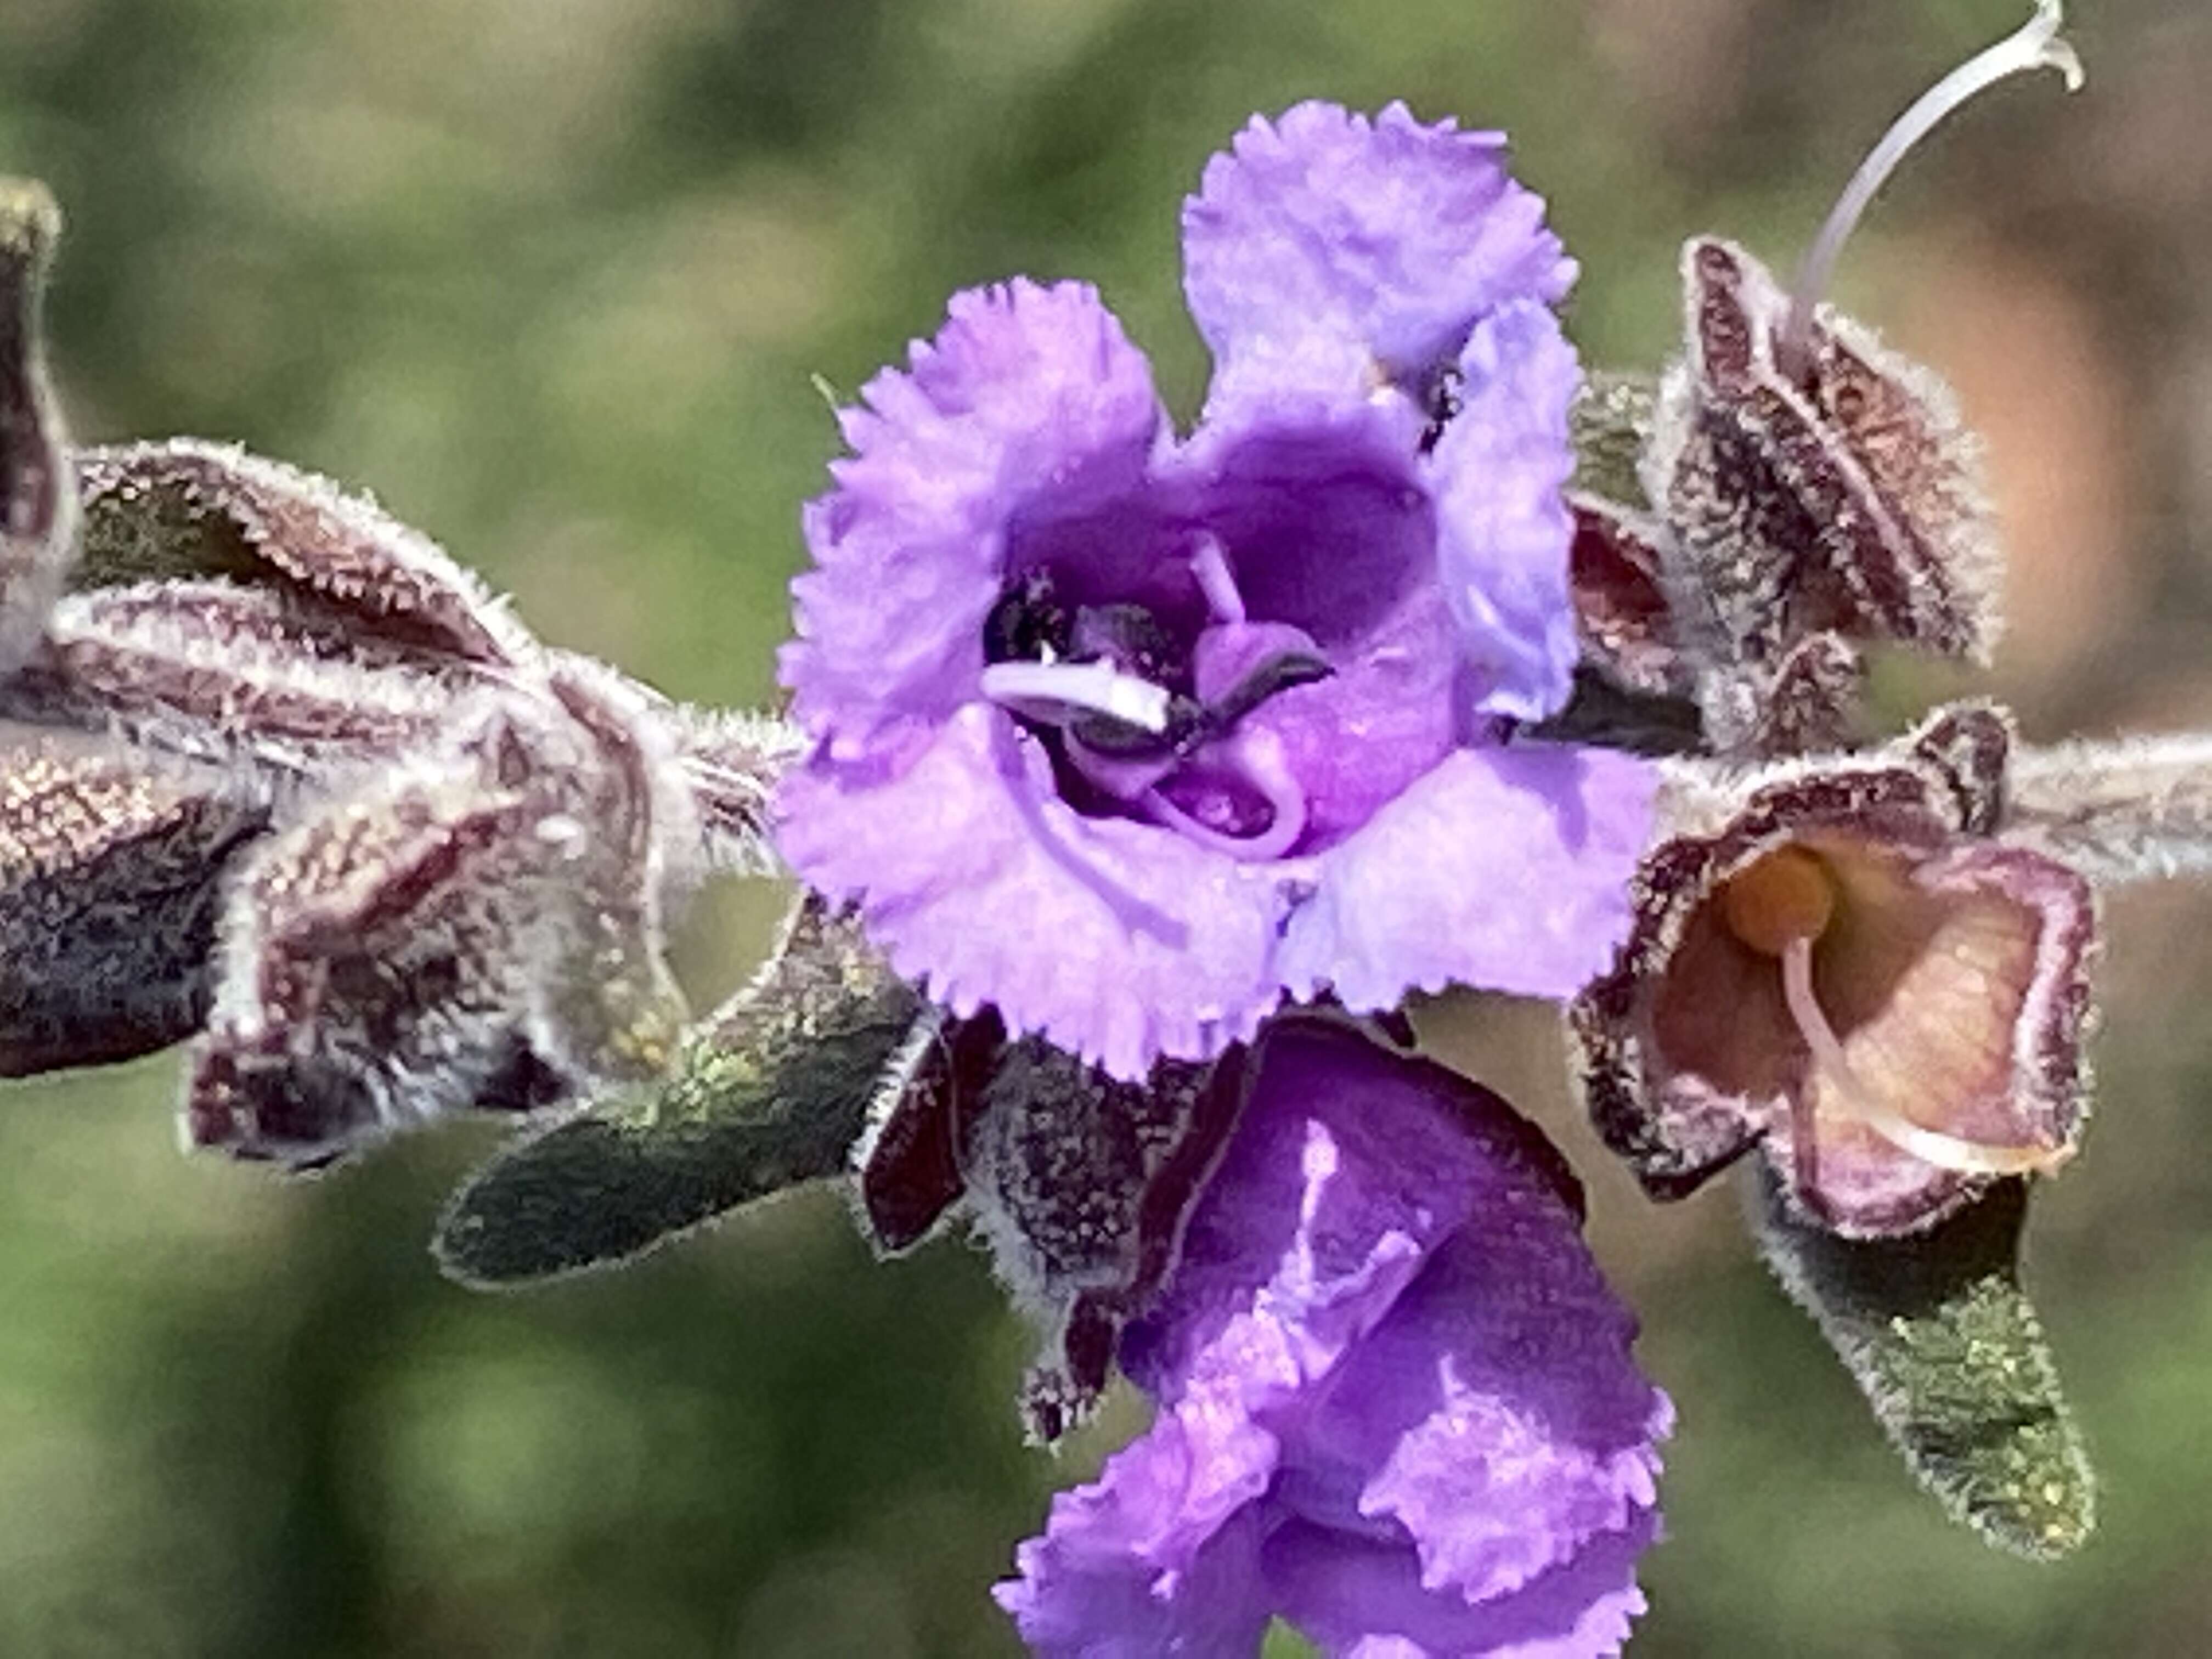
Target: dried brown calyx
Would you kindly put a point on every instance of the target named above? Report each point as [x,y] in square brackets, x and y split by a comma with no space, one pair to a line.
[1796,479]
[111,884]
[1846,962]
[1845,498]
[479,925]
[276,771]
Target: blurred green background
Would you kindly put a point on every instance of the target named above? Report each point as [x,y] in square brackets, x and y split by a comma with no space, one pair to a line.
[552,276]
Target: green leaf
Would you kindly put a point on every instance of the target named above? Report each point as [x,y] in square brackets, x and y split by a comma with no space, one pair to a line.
[1610,423]
[1947,1349]
[769,1092]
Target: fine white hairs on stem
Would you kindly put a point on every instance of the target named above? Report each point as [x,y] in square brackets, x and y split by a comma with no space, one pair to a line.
[2035,45]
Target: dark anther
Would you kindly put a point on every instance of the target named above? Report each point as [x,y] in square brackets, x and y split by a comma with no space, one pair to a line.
[1027,624]
[1442,402]
[1190,723]
[1277,674]
[1131,638]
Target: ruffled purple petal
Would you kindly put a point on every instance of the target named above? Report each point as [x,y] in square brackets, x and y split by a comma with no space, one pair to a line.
[1118,940]
[1509,1340]
[1386,235]
[1349,1166]
[1122,1573]
[1397,1404]
[1506,869]
[1504,530]
[1364,1598]
[1030,408]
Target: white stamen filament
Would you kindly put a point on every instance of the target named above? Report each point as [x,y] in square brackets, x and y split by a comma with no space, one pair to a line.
[1042,689]
[1860,1105]
[1257,758]
[1218,583]
[2036,45]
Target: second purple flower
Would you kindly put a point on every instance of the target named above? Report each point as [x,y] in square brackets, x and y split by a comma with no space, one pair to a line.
[1131,735]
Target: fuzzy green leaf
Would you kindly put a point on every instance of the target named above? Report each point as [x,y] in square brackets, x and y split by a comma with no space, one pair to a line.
[1610,423]
[1947,1349]
[769,1092]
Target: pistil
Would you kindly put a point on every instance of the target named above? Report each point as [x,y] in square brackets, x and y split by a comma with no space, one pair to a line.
[1210,567]
[1254,759]
[2036,45]
[1863,1105]
[1783,906]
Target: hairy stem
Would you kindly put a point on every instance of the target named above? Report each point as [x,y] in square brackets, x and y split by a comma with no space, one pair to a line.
[2136,809]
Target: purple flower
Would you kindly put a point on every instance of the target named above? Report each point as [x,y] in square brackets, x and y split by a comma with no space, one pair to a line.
[1130,735]
[1396,1404]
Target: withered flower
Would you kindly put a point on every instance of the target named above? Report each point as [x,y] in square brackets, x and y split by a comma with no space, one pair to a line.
[1798,478]
[1848,963]
[1843,497]
[1843,959]
[278,770]
[481,922]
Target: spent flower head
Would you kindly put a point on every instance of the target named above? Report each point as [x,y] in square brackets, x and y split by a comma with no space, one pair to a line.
[1864,968]
[277,773]
[1804,477]
[1845,961]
